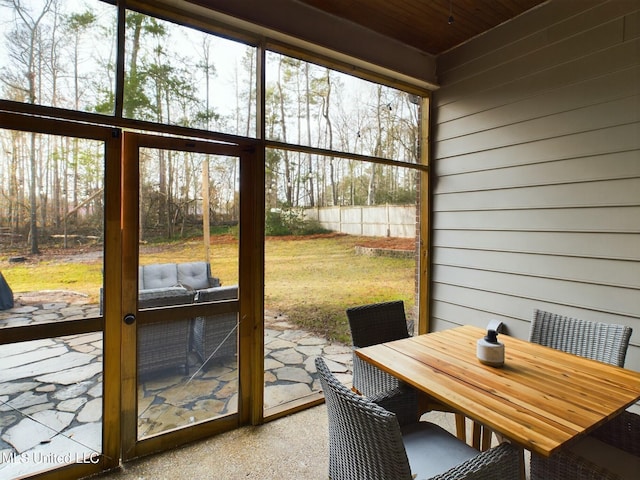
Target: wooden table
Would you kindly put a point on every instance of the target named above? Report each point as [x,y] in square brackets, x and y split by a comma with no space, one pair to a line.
[541,399]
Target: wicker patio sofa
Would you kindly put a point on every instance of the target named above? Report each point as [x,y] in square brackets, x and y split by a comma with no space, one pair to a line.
[215,336]
[165,345]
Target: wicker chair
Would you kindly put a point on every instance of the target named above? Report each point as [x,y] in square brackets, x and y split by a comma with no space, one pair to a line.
[378,323]
[367,442]
[605,343]
[616,445]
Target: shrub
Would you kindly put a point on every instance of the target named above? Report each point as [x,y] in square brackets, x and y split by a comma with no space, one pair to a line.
[291,221]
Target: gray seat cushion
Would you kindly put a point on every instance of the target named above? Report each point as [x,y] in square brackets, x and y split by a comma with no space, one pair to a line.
[432,450]
[163,297]
[215,294]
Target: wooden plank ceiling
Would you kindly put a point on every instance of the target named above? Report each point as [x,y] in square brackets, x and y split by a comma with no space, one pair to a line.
[425,24]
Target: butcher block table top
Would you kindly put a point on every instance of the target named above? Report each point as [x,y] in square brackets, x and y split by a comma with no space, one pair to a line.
[541,398]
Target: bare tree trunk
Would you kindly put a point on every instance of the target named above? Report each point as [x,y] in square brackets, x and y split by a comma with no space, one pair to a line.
[33,219]
[327,117]
[283,122]
[312,197]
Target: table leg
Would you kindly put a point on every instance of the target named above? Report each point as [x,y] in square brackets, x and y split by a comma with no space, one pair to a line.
[486,439]
[475,435]
[523,473]
[461,427]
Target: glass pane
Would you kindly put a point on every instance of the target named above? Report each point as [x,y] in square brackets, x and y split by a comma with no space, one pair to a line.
[355,245]
[181,76]
[51,238]
[188,254]
[59,54]
[51,228]
[50,404]
[310,105]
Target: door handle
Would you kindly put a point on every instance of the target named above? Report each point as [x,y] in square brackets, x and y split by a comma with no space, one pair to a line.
[129,319]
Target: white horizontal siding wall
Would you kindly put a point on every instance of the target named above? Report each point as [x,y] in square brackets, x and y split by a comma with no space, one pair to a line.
[536,171]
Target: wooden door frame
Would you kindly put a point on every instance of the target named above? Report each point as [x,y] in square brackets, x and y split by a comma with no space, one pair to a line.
[249,298]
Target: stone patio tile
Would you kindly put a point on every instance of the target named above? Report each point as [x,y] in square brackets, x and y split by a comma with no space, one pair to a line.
[54,306]
[336,349]
[45,317]
[336,367]
[24,309]
[310,365]
[16,321]
[22,401]
[22,358]
[294,335]
[310,351]
[272,364]
[46,388]
[160,383]
[206,409]
[282,325]
[32,345]
[30,432]
[72,404]
[38,408]
[228,390]
[7,419]
[72,391]
[84,348]
[280,344]
[311,340]
[91,412]
[293,374]
[183,394]
[230,376]
[52,365]
[84,339]
[344,378]
[275,395]
[82,446]
[288,357]
[72,375]
[96,391]
[9,388]
[163,417]
[344,358]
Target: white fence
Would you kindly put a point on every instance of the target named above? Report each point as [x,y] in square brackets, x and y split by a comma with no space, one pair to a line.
[376,221]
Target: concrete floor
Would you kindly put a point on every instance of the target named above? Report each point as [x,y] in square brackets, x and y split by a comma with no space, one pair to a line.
[293,447]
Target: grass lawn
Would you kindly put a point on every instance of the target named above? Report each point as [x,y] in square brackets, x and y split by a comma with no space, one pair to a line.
[311,280]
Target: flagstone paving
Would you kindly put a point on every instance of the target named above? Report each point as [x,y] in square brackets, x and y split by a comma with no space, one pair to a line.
[51,390]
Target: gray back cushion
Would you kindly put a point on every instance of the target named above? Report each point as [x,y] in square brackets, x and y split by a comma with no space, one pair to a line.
[193,275]
[160,275]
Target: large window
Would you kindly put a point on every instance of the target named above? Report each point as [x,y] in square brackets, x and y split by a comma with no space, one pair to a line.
[181,76]
[341,230]
[315,106]
[59,54]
